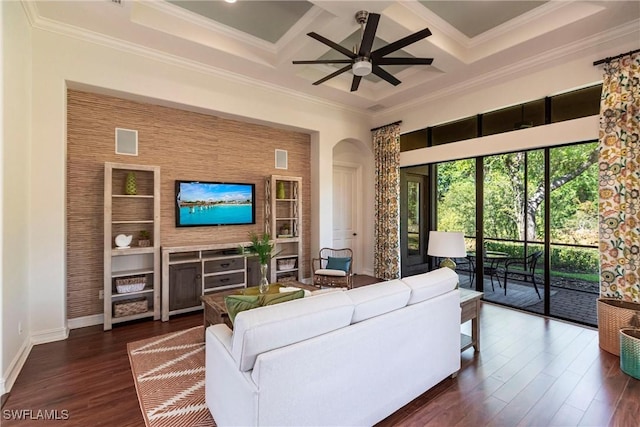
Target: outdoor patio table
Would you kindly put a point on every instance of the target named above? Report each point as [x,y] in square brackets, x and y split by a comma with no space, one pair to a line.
[492,260]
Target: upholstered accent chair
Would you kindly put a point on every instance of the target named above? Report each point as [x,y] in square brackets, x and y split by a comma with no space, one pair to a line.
[333,268]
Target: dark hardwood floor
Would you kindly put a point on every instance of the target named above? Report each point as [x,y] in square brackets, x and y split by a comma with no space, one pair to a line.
[531,371]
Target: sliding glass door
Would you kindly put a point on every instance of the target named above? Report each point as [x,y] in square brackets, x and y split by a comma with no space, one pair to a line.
[456,207]
[530,222]
[573,232]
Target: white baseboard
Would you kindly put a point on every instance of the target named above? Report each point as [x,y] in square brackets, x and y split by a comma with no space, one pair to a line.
[42,337]
[9,377]
[367,272]
[50,335]
[83,322]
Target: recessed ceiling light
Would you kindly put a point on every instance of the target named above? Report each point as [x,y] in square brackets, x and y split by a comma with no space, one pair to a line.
[230,1]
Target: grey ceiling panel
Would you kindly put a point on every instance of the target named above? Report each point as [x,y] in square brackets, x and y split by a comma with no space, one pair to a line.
[473,18]
[267,20]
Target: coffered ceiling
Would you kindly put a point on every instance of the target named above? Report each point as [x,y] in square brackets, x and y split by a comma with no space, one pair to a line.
[472,42]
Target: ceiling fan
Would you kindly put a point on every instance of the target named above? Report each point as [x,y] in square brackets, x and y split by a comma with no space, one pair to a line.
[363,61]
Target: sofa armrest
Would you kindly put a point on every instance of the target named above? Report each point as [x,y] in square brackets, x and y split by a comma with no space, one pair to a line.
[230,395]
[222,334]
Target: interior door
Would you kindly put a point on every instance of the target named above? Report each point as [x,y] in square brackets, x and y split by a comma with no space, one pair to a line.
[345,210]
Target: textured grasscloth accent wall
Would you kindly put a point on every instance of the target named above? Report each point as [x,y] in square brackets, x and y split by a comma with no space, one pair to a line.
[186,145]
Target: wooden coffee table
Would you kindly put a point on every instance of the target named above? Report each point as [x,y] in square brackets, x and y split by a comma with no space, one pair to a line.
[215,310]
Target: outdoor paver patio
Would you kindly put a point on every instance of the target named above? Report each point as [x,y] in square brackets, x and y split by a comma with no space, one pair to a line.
[568,304]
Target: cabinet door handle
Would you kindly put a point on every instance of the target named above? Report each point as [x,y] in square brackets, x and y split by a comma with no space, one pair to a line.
[224,265]
[226,279]
[197,278]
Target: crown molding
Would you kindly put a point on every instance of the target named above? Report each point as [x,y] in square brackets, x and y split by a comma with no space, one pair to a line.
[31,10]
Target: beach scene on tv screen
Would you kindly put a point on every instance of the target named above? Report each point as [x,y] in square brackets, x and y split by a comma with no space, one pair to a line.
[212,204]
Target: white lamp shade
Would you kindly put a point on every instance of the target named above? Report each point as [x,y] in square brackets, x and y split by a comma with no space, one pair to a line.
[446,244]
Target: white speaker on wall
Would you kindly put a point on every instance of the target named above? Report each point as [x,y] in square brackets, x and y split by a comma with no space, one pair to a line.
[281,159]
[126,142]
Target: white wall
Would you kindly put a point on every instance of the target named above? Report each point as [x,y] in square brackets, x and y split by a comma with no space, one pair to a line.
[14,191]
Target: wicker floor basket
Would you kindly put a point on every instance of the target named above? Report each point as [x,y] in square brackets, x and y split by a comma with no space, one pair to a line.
[614,315]
[630,352]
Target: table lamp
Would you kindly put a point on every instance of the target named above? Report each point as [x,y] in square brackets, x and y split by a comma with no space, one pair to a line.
[447,245]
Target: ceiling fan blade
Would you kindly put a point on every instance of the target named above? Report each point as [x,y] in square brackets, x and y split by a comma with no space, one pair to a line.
[399,44]
[332,45]
[384,75]
[325,61]
[332,75]
[369,34]
[404,61]
[355,83]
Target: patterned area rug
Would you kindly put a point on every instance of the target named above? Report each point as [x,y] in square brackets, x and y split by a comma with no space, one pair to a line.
[168,371]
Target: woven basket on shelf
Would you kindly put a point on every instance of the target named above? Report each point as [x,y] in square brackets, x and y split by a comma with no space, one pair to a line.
[130,284]
[630,352]
[613,315]
[129,307]
[286,264]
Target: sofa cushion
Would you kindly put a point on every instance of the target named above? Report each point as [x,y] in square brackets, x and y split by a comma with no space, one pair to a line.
[237,303]
[266,328]
[379,298]
[428,285]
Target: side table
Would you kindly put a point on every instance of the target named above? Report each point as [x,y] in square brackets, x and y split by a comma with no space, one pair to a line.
[470,310]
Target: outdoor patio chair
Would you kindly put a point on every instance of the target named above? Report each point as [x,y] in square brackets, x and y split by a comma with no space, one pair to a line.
[466,265]
[333,268]
[522,268]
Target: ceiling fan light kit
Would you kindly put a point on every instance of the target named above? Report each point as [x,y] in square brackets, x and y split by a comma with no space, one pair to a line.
[361,67]
[363,61]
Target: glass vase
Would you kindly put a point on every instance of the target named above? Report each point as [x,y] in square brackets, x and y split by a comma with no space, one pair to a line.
[264,283]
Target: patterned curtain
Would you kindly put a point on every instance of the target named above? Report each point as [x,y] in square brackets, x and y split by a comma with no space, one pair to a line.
[386,148]
[619,161]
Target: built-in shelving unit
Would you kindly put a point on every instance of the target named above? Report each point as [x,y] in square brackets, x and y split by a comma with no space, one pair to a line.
[189,272]
[128,214]
[283,221]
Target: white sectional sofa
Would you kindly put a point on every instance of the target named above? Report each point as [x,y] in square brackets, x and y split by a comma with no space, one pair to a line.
[341,358]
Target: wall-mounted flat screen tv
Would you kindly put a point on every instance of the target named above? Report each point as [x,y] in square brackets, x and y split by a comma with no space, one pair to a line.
[201,203]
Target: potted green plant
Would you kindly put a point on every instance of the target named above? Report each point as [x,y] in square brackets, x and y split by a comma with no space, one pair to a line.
[144,239]
[261,246]
[285,231]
